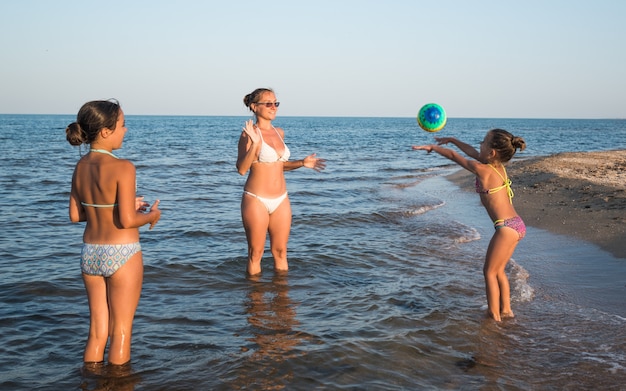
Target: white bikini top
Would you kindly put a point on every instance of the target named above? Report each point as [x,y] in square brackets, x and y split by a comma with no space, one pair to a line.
[267,154]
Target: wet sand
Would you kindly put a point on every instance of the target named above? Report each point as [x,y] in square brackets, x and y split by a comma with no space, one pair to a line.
[580,194]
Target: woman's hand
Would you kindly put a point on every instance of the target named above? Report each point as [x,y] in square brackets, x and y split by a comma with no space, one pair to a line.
[251,132]
[314,163]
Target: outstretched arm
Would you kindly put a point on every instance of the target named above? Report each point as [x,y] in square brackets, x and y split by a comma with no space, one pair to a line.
[310,161]
[456,157]
[466,148]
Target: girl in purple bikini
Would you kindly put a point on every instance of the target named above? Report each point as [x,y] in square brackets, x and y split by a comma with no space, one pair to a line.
[494,187]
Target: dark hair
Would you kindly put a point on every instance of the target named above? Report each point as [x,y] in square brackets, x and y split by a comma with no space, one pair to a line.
[505,144]
[92,118]
[255,96]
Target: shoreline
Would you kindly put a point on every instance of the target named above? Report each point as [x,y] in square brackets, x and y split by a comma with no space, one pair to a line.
[579,194]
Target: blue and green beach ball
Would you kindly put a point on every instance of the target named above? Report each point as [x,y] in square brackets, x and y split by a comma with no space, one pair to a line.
[431,117]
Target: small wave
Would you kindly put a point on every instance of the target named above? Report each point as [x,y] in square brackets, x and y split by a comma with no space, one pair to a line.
[410,211]
[466,235]
[425,208]
[409,180]
[611,360]
[521,289]
[452,231]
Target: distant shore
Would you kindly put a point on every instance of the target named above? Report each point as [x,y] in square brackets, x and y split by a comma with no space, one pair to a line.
[580,194]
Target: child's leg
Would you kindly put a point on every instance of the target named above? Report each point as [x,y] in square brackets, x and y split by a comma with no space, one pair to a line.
[505,295]
[124,288]
[499,252]
[98,318]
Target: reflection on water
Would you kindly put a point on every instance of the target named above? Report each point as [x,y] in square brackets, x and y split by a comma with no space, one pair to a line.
[271,316]
[100,377]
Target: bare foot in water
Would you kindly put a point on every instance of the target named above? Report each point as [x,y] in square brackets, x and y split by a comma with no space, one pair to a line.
[493,316]
[501,316]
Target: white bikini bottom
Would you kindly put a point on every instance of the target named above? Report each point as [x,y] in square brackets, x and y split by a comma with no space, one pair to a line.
[270,203]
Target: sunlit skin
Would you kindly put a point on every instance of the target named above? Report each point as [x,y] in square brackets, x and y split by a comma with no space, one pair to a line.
[266,180]
[102,179]
[498,206]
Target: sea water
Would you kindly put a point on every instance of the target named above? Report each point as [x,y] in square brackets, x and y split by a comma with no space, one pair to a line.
[385,288]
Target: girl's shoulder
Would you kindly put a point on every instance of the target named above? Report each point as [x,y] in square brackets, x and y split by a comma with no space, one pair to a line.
[124,166]
[118,167]
[477,165]
[482,169]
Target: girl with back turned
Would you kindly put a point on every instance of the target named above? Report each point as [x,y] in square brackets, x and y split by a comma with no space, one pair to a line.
[494,187]
[103,195]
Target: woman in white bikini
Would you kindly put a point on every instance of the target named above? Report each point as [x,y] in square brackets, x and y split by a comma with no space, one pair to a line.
[103,195]
[265,204]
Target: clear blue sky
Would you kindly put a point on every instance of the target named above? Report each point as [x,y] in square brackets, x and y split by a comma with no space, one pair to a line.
[522,59]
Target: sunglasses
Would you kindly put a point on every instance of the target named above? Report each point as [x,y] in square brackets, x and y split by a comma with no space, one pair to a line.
[268,104]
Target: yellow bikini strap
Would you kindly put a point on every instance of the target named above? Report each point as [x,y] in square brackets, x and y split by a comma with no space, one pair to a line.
[507,183]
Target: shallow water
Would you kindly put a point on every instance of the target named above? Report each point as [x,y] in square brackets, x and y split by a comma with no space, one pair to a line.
[384,291]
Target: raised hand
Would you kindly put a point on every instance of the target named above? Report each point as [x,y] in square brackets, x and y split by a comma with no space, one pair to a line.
[251,132]
[443,140]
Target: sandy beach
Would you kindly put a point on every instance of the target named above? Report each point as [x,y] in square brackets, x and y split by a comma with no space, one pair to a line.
[581,194]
